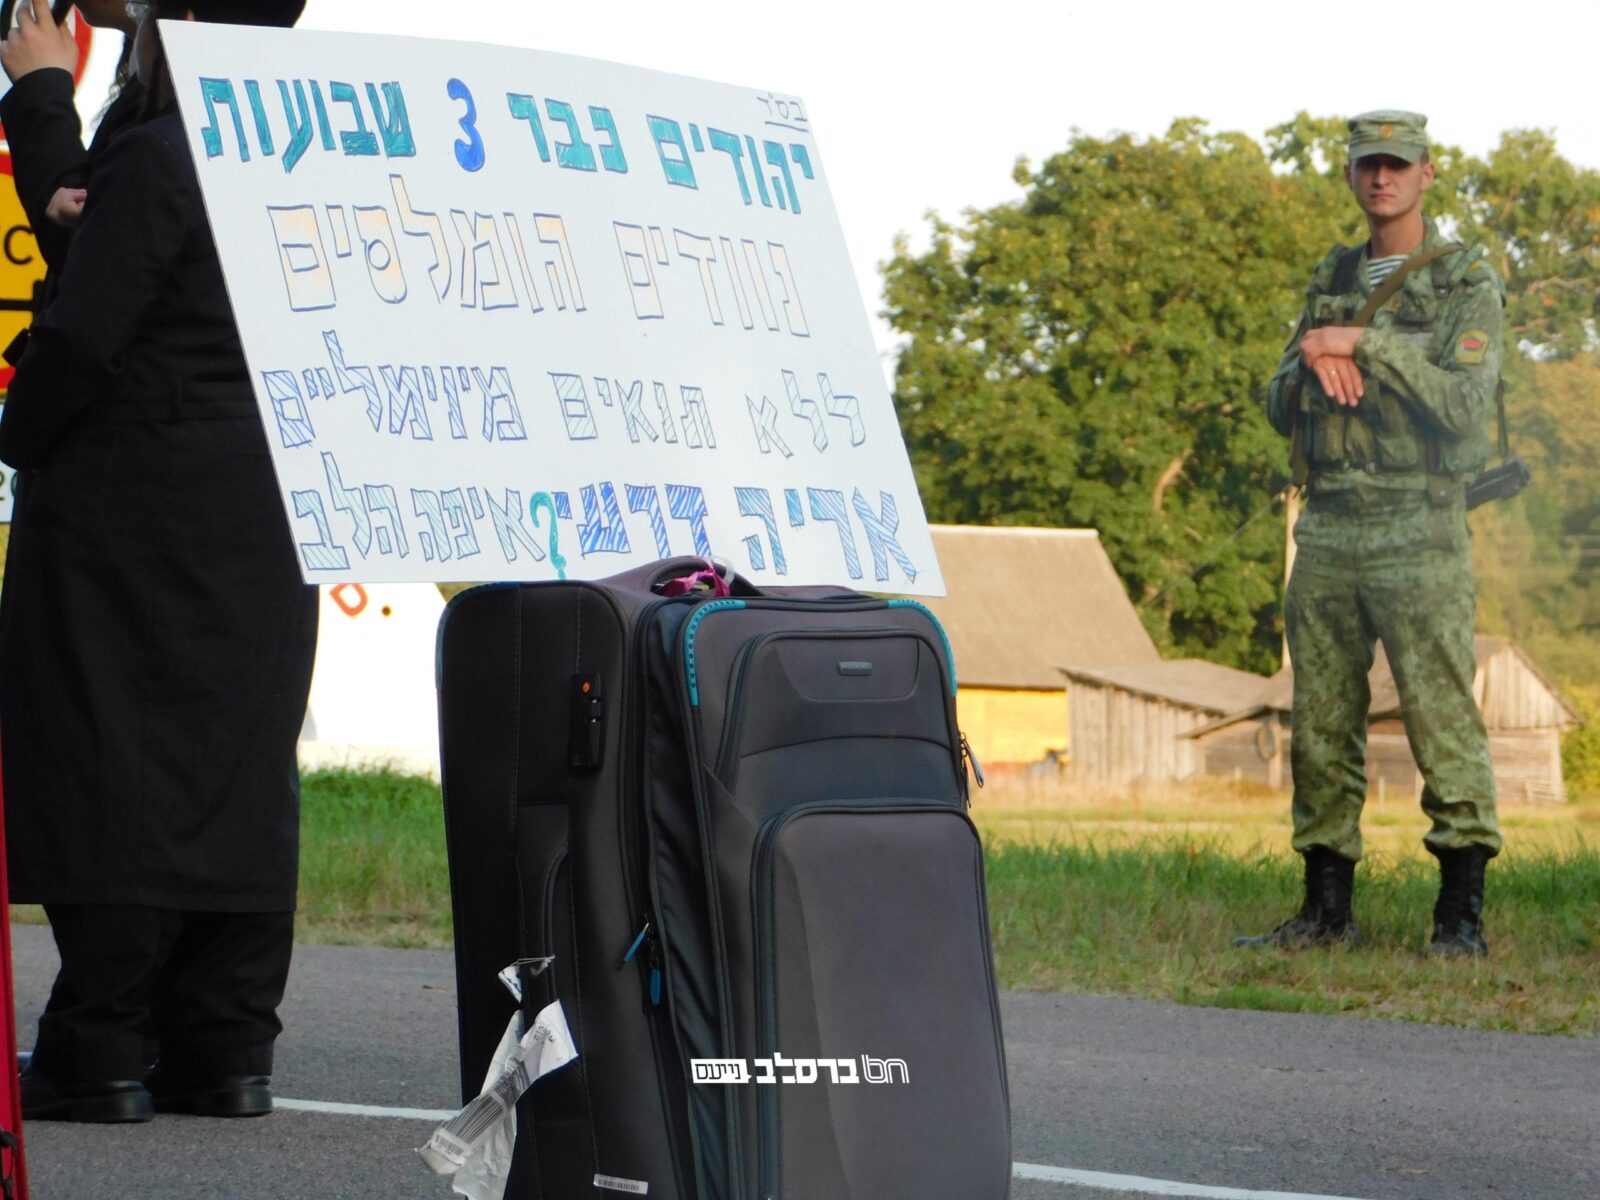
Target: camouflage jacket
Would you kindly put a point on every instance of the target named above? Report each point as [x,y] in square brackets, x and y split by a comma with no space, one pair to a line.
[1431,360]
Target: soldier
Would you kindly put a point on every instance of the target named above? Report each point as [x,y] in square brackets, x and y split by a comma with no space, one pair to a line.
[1385,391]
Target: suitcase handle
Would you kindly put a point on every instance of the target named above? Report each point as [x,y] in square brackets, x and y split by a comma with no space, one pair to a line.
[645,579]
[648,577]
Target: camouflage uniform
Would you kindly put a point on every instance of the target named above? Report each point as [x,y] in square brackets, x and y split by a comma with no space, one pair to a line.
[1383,547]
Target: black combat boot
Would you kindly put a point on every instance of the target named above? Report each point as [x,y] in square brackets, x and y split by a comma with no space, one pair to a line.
[1324,918]
[1458,914]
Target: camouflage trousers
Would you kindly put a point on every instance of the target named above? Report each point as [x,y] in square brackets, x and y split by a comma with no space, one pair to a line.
[1377,565]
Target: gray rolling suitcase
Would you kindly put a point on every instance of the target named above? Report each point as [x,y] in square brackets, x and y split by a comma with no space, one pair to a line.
[738,825]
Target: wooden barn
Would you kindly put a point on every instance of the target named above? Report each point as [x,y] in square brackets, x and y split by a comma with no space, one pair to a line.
[1524,713]
[1020,601]
[1127,724]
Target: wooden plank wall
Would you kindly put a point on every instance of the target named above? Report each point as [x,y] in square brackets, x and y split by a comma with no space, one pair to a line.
[1527,762]
[1513,697]
[1527,765]
[1254,751]
[1119,737]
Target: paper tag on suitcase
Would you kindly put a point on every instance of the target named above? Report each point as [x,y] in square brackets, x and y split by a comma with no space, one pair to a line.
[475,1145]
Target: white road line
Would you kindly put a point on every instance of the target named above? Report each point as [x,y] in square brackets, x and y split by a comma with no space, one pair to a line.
[435,1115]
[1152,1187]
[1066,1175]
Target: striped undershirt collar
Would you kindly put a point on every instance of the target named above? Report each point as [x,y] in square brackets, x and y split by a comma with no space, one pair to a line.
[1379,269]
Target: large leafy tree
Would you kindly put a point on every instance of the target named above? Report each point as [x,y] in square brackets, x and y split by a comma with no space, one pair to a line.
[1538,558]
[1096,354]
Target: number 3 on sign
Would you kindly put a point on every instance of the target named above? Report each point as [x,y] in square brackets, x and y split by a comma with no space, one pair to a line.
[469,150]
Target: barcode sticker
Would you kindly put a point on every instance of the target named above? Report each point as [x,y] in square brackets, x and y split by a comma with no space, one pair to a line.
[610,1183]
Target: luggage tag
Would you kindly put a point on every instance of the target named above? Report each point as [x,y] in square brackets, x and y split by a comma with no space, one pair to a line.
[474,1147]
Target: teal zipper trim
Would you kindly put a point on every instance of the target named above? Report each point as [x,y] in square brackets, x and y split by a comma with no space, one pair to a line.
[949,651]
[690,631]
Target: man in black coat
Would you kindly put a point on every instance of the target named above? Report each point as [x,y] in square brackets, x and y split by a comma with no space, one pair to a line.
[156,644]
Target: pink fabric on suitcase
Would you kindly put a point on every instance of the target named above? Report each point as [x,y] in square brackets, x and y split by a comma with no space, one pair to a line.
[707,580]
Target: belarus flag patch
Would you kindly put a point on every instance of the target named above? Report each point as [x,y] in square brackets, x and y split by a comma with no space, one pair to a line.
[1472,346]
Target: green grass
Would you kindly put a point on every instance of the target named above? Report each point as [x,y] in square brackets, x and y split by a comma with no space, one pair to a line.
[372,860]
[1157,921]
[1141,907]
[1147,910]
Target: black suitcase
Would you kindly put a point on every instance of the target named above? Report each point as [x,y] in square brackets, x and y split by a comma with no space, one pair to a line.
[739,828]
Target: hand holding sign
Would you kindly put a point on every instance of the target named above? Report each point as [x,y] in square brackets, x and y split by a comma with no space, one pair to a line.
[38,40]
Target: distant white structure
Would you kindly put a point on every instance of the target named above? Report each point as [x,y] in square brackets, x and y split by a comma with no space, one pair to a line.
[373,700]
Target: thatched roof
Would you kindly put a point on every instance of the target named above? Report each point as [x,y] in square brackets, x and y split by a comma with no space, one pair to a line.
[1514,692]
[1207,687]
[1023,600]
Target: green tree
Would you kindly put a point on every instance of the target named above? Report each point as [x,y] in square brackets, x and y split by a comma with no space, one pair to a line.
[1095,354]
[1538,556]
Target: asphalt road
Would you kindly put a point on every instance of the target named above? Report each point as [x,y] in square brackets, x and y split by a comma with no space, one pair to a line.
[1118,1097]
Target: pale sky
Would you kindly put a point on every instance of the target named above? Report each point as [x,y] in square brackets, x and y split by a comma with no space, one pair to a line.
[928,105]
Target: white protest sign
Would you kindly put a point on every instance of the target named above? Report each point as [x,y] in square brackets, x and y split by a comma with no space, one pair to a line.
[517,315]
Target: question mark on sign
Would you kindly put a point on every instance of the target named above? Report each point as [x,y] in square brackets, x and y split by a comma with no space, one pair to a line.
[542,500]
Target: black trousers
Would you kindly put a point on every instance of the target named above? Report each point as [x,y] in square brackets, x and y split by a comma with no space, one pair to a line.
[206,985]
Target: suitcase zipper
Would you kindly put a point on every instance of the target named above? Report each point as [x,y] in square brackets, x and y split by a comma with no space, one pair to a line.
[652,958]
[688,696]
[977,767]
[638,878]
[690,631]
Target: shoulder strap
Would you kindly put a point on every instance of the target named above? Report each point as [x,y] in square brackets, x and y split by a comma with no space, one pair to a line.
[1397,280]
[1344,271]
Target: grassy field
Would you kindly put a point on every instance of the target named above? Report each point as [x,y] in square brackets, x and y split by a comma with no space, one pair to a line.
[1156,921]
[1135,895]
[1245,821]
[1140,894]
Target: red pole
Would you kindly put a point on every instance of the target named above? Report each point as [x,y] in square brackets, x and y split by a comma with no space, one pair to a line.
[11,1108]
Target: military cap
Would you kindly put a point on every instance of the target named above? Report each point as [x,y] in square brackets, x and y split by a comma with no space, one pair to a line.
[1389,131]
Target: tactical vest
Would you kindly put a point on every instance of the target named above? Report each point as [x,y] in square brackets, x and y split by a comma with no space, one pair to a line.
[1380,435]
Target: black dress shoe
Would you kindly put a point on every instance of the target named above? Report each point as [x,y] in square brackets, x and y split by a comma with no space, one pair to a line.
[94,1101]
[217,1096]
